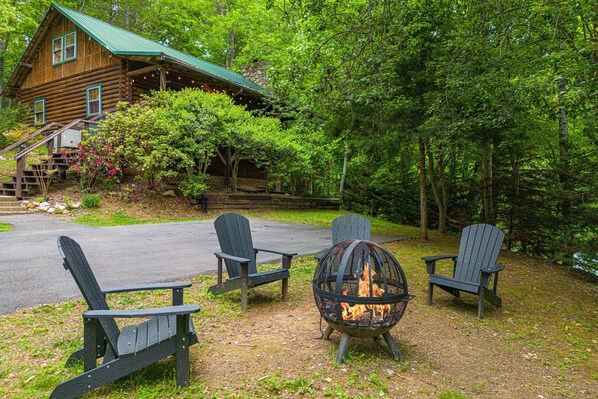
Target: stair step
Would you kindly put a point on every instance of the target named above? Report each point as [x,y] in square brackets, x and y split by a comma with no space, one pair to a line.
[6,213]
[7,198]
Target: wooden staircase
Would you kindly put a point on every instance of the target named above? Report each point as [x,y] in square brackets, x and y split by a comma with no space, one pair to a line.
[11,206]
[31,176]
[27,179]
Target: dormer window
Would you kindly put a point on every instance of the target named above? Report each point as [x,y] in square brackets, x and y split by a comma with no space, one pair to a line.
[70,46]
[64,48]
[57,51]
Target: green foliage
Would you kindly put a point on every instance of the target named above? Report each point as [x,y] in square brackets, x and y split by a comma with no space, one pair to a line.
[177,135]
[90,201]
[13,118]
[4,227]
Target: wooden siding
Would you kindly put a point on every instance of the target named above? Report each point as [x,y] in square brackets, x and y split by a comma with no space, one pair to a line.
[90,56]
[66,98]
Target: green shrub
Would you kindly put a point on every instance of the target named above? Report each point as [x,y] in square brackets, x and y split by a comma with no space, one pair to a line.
[68,204]
[91,201]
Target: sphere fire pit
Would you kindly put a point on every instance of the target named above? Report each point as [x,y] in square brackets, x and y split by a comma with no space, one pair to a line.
[361,291]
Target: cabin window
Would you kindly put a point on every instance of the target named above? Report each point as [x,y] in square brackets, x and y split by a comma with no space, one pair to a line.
[64,48]
[94,99]
[70,46]
[57,51]
[39,111]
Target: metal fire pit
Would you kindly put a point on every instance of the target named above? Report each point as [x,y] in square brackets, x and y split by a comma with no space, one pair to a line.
[361,291]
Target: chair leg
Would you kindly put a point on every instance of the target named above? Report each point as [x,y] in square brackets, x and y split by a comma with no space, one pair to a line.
[430,293]
[481,304]
[244,286]
[285,289]
[182,351]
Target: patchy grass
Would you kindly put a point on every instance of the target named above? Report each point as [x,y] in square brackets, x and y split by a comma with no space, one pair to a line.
[121,218]
[4,227]
[7,167]
[542,343]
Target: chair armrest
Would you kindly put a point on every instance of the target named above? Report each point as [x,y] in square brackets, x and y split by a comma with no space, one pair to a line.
[438,257]
[230,257]
[134,313]
[149,287]
[493,269]
[320,253]
[272,251]
[431,261]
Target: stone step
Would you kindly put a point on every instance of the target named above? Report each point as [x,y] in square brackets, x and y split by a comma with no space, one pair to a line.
[7,198]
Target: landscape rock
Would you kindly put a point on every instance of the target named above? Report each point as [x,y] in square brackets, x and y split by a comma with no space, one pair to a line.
[44,206]
[76,205]
[61,207]
[169,193]
[2,158]
[50,210]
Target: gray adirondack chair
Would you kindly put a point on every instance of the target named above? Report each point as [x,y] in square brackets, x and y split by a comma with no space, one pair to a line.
[473,267]
[239,255]
[348,227]
[169,331]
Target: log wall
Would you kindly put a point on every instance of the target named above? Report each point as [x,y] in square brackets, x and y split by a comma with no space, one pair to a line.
[66,98]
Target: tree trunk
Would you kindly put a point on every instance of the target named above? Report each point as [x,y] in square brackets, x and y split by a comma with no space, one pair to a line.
[487,195]
[564,173]
[423,220]
[3,47]
[436,193]
[342,185]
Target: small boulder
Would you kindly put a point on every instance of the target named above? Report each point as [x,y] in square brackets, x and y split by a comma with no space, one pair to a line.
[169,193]
[51,210]
[44,206]
[2,158]
[76,205]
[61,207]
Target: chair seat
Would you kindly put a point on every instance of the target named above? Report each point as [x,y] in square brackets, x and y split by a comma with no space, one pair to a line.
[452,283]
[256,279]
[134,339]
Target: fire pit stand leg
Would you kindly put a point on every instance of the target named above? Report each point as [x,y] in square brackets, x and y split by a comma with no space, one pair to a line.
[342,348]
[393,346]
[328,332]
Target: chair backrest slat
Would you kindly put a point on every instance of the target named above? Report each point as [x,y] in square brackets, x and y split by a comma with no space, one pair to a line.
[479,247]
[351,227]
[234,236]
[75,261]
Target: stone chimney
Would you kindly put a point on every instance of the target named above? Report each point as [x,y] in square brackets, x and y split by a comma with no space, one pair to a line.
[257,72]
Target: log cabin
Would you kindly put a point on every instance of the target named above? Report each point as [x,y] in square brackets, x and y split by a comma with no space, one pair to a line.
[77,68]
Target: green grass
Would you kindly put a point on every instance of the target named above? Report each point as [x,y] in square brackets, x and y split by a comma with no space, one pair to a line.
[324,218]
[121,218]
[4,227]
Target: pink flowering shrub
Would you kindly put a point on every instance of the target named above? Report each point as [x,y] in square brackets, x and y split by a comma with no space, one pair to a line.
[97,164]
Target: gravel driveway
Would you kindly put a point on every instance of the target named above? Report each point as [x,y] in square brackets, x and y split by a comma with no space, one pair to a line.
[31,271]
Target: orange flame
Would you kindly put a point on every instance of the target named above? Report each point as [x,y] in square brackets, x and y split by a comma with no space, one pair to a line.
[357,311]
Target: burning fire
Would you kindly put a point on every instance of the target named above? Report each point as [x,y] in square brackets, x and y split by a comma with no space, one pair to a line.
[357,311]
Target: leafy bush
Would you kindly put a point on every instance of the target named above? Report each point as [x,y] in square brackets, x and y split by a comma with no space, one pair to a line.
[178,134]
[97,163]
[14,124]
[91,201]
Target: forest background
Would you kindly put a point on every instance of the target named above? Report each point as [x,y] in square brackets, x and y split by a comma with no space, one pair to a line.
[446,112]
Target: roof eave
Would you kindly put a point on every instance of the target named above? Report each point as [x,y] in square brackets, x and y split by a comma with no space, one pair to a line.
[188,66]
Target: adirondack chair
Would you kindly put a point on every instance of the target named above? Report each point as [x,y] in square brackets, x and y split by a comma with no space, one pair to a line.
[348,227]
[239,255]
[169,331]
[473,267]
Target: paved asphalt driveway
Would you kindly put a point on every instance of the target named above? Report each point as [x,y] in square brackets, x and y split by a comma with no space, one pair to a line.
[31,271]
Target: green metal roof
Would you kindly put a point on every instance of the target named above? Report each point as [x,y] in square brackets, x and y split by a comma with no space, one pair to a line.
[122,42]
